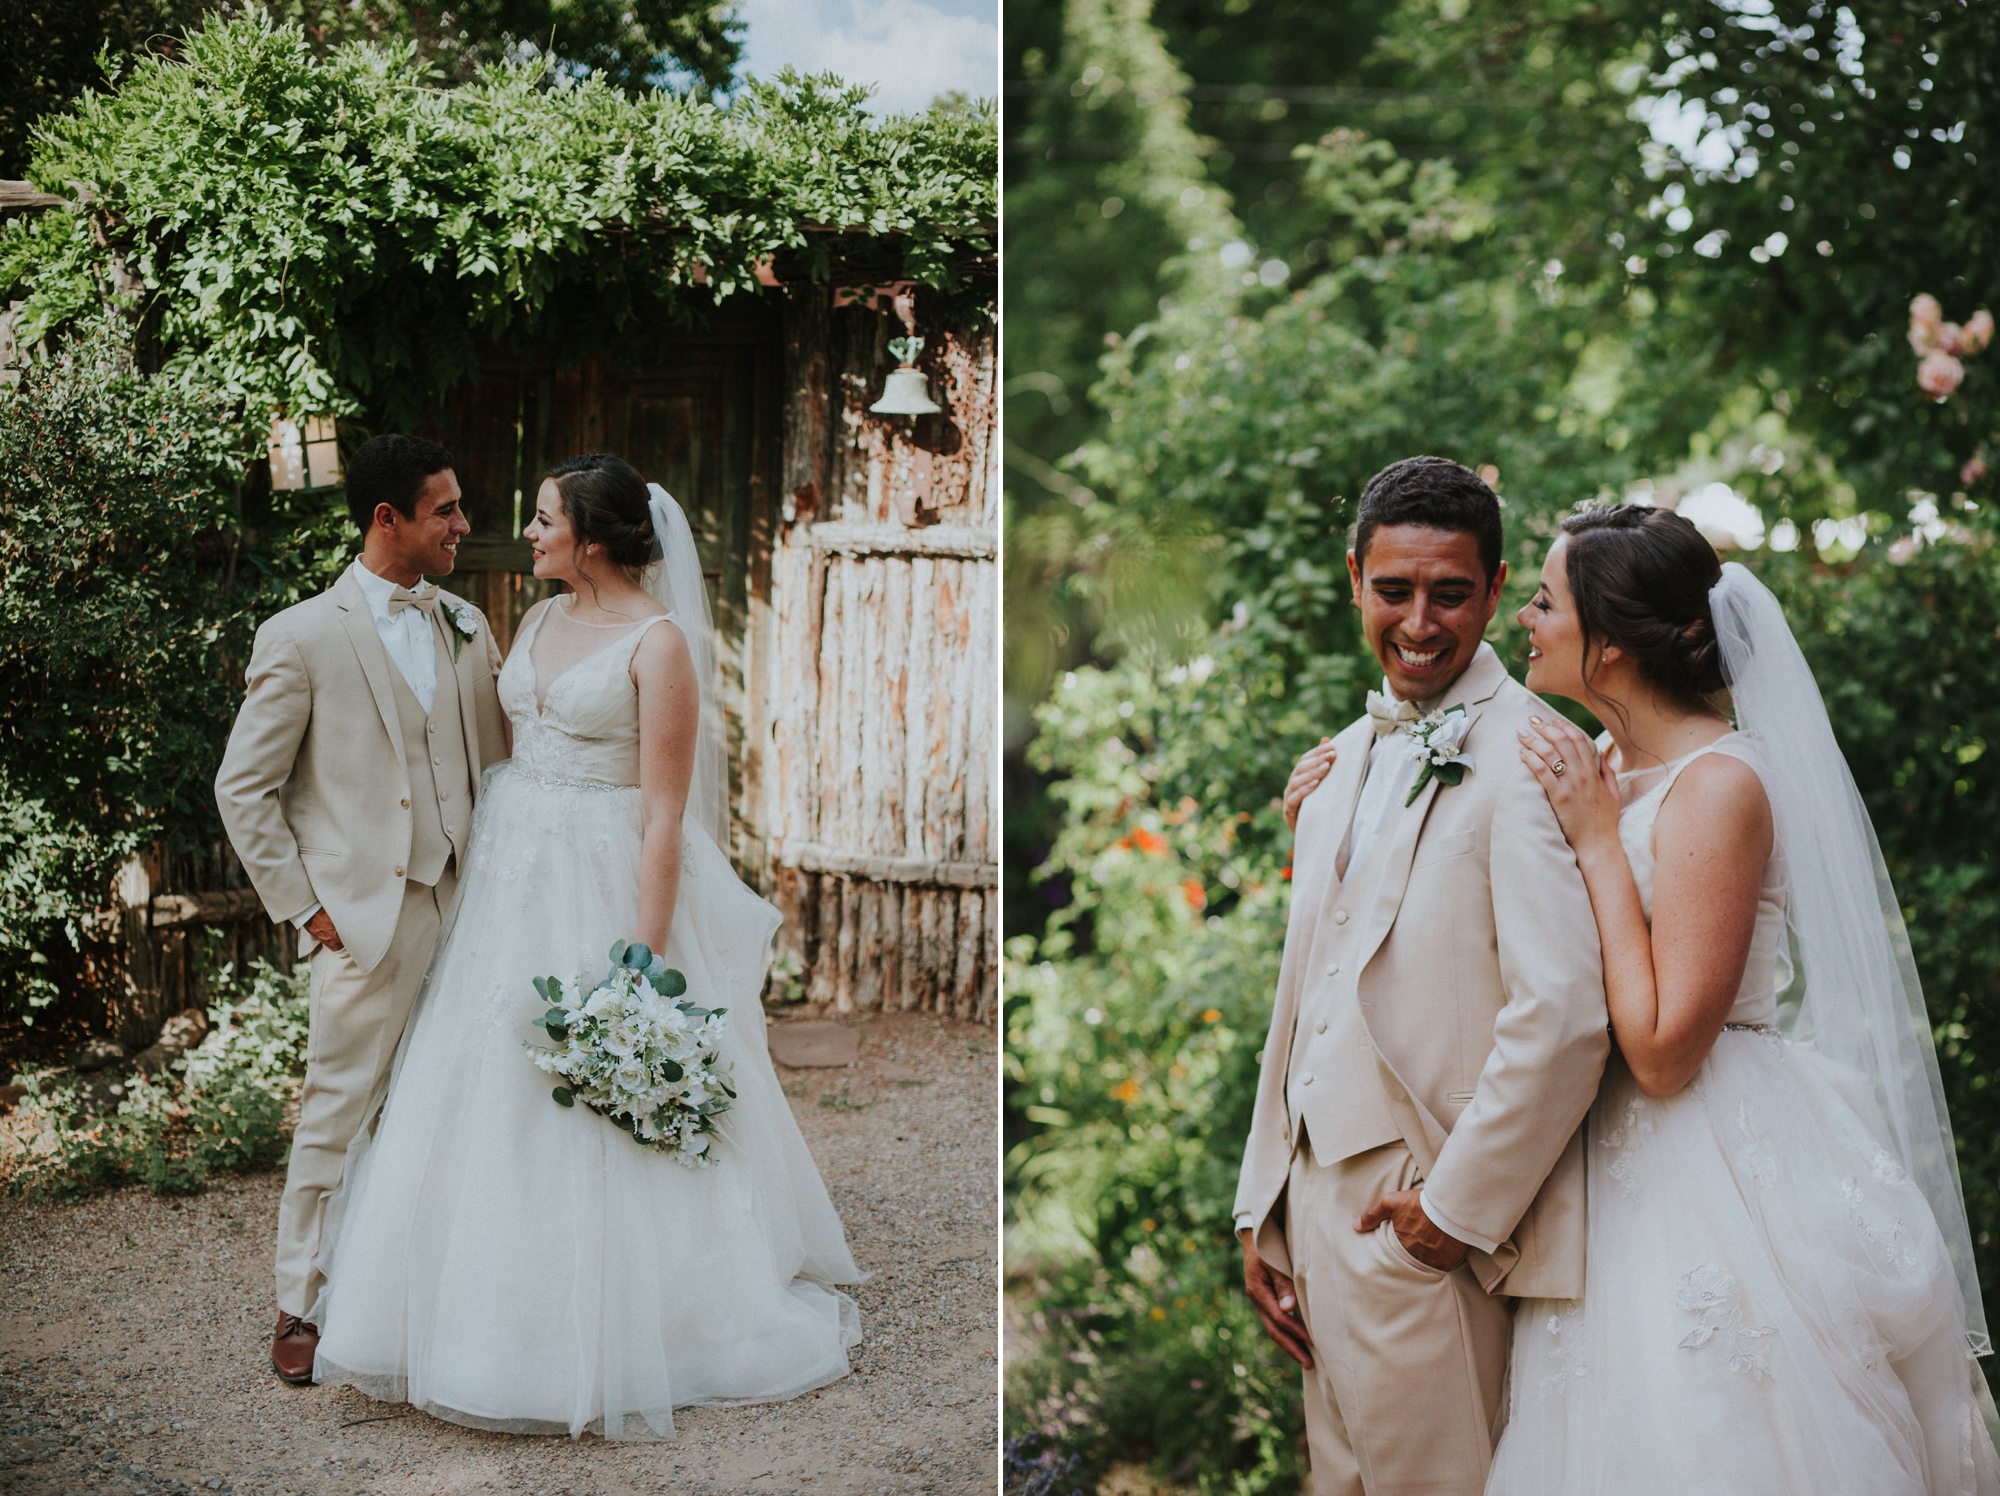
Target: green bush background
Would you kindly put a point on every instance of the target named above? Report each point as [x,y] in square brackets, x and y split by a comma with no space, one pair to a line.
[1478,247]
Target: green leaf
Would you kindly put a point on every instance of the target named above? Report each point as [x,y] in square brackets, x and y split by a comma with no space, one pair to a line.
[637,955]
[671,1070]
[1423,778]
[618,949]
[672,983]
[1449,773]
[564,1096]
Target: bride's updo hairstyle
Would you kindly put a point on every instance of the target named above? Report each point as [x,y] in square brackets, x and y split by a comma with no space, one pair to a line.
[606,501]
[1639,577]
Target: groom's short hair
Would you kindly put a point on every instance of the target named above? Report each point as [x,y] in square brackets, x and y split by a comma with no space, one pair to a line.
[391,469]
[1435,492]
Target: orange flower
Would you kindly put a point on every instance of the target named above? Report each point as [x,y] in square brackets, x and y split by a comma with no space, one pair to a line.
[1211,1015]
[1150,842]
[1127,1090]
[1285,876]
[1196,895]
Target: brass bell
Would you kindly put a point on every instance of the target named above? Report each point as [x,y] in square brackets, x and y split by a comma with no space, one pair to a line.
[905,393]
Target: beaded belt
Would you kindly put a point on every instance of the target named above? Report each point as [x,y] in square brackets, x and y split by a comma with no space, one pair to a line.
[562,782]
[1750,1028]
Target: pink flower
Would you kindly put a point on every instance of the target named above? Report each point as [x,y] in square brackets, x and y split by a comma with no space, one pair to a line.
[1926,317]
[1939,374]
[1972,472]
[1977,332]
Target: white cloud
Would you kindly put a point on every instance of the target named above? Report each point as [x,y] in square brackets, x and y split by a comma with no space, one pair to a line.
[911,50]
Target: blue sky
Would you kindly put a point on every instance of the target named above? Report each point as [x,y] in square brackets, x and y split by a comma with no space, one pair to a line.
[911,50]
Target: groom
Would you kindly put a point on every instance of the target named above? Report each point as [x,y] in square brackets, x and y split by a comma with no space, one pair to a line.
[347,792]
[1438,1034]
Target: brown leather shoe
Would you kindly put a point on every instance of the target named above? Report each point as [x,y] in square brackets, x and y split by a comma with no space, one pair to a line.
[292,1349]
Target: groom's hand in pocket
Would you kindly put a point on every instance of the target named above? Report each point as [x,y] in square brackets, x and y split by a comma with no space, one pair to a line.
[1277,1303]
[320,927]
[1418,1233]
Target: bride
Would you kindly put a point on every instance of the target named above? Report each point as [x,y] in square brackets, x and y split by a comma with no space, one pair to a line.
[502,1261]
[1780,1294]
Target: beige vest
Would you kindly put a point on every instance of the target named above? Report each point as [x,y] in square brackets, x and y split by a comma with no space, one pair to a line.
[440,775]
[1333,1085]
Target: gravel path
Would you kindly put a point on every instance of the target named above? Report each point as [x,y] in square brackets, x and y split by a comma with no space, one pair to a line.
[134,1332]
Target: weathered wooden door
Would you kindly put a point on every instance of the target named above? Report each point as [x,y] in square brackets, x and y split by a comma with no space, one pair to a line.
[879,789]
[699,417]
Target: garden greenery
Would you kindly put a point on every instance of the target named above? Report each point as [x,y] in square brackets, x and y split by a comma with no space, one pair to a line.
[218,1109]
[331,235]
[124,592]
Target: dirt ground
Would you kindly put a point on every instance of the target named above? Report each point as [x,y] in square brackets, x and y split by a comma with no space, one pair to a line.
[134,1332]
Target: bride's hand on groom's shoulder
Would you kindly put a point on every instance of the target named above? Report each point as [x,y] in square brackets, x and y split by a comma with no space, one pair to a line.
[1581,787]
[1311,768]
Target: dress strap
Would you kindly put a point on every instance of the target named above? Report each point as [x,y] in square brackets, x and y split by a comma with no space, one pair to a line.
[632,639]
[1678,766]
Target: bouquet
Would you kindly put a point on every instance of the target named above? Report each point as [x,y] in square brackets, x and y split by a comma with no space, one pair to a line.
[635,1050]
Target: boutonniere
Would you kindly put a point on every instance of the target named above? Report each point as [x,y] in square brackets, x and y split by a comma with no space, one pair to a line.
[464,625]
[1434,739]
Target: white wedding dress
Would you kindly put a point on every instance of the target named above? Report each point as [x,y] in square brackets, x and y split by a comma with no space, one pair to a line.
[500,1261]
[1769,1307]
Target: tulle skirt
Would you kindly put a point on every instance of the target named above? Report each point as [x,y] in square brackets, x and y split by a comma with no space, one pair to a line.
[503,1262]
[1768,1306]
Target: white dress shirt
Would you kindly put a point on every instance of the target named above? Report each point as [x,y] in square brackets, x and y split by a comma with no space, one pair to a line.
[1392,769]
[412,647]
[407,635]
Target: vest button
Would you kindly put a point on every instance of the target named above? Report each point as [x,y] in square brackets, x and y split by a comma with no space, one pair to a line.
[1306,1079]
[1320,1027]
[1340,916]
[1333,970]
[437,763]
[433,727]
[399,870]
[406,802]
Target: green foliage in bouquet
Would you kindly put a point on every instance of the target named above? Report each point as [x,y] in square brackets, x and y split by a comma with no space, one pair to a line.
[221,1108]
[636,1052]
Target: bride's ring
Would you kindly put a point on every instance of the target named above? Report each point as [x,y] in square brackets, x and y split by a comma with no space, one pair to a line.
[1557,767]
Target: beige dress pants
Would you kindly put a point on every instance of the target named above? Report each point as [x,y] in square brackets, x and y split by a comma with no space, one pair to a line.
[357,1021]
[1409,1363]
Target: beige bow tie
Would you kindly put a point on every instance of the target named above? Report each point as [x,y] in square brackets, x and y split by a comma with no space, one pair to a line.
[403,597]
[1390,715]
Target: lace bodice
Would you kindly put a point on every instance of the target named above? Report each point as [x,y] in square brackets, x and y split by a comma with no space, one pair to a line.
[1768,970]
[586,726]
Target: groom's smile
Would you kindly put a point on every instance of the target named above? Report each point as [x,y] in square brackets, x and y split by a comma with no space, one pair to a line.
[1425,602]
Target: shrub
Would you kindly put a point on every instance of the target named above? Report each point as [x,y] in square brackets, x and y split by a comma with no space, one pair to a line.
[219,1109]
[121,604]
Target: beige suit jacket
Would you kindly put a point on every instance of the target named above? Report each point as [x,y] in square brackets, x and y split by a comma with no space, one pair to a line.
[314,789]
[1470,946]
